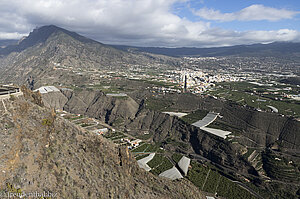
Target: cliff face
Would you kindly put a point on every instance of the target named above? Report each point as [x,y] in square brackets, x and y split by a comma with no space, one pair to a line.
[42,152]
[263,129]
[100,106]
[175,134]
[54,100]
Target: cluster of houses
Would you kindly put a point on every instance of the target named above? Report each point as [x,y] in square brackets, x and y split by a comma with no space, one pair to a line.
[100,131]
[133,143]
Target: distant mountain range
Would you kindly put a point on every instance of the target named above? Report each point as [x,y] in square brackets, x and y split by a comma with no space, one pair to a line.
[37,54]
[277,49]
[7,42]
[292,80]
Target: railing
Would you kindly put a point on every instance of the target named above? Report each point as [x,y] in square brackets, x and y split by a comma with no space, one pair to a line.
[8,92]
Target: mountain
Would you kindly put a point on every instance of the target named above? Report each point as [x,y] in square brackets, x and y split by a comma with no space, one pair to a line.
[49,47]
[291,80]
[40,35]
[6,42]
[276,49]
[42,152]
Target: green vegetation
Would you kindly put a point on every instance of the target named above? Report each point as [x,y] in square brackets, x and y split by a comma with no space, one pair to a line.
[12,97]
[109,88]
[75,118]
[46,122]
[218,124]
[216,183]
[86,125]
[144,136]
[118,137]
[197,174]
[159,164]
[256,96]
[156,83]
[194,116]
[141,148]
[152,148]
[262,192]
[280,168]
[148,148]
[174,142]
[160,150]
[248,153]
[156,160]
[9,125]
[12,189]
[121,97]
[139,157]
[77,88]
[158,104]
[165,165]
[232,190]
[112,134]
[119,121]
[176,157]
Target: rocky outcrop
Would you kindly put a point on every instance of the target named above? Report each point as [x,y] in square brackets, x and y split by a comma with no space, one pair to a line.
[264,129]
[98,105]
[42,152]
[54,100]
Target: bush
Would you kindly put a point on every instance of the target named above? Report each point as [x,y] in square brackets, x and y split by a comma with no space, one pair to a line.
[46,122]
[12,97]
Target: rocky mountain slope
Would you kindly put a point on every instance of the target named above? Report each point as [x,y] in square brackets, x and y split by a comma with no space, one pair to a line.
[292,80]
[42,152]
[255,129]
[48,47]
[263,135]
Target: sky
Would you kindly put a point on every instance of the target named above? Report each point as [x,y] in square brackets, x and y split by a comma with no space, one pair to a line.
[162,23]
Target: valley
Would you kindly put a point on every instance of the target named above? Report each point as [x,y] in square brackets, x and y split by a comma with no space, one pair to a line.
[168,134]
[235,117]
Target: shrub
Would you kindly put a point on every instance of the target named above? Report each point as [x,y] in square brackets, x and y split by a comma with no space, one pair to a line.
[46,122]
[12,97]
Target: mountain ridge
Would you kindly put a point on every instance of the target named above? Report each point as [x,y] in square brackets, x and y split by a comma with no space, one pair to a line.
[275,49]
[39,53]
[40,35]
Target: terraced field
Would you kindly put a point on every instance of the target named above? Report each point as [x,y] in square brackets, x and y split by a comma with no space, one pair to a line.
[280,168]
[148,148]
[195,116]
[211,181]
[255,96]
[159,164]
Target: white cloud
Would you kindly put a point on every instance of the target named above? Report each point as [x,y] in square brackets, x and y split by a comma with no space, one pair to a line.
[130,22]
[11,35]
[252,13]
